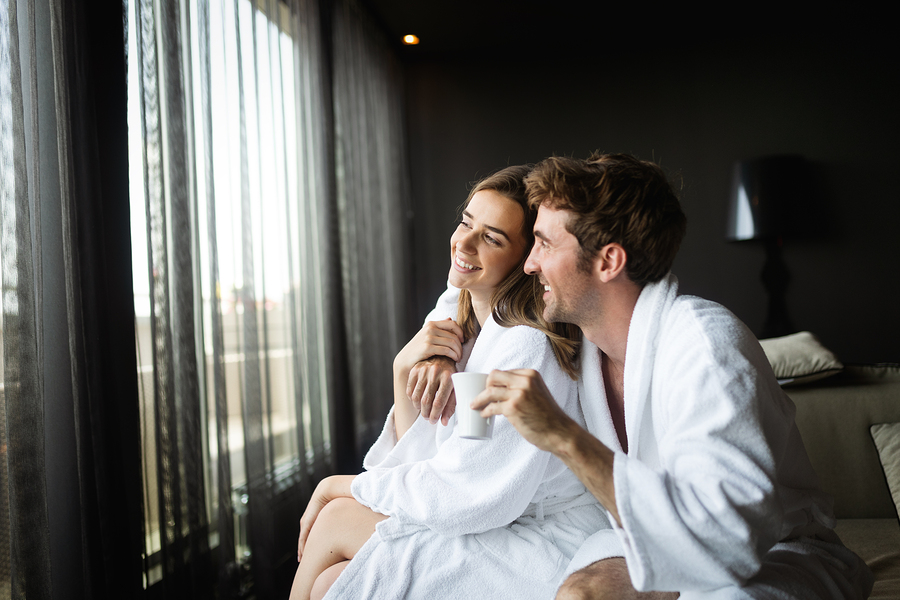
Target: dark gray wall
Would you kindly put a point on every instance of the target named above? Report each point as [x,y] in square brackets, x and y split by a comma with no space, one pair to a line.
[695,111]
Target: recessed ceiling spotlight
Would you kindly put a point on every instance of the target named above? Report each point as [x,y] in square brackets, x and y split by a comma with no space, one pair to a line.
[410,40]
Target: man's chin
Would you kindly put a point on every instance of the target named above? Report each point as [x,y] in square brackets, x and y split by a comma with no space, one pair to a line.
[551,315]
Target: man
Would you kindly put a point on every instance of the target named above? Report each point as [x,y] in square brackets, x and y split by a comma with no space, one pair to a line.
[692,447]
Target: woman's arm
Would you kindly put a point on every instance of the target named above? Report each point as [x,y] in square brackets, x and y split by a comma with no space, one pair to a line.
[436,338]
[472,486]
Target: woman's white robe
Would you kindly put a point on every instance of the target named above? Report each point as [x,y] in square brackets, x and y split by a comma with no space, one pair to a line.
[468,518]
[716,493]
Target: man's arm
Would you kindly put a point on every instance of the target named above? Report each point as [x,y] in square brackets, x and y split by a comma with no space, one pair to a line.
[431,390]
[522,397]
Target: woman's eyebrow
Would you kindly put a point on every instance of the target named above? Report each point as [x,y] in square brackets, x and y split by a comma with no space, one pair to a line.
[491,227]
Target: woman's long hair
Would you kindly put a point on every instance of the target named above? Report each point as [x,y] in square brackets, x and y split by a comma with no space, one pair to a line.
[518,298]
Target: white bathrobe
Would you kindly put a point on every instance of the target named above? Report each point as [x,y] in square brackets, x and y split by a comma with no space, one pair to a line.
[716,473]
[468,518]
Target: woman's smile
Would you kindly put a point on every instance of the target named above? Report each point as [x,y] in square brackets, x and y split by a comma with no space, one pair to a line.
[463,266]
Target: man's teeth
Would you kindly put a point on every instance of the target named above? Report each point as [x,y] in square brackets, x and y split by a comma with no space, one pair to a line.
[466,265]
[546,288]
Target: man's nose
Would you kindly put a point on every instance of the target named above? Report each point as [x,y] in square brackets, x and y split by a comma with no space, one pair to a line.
[532,266]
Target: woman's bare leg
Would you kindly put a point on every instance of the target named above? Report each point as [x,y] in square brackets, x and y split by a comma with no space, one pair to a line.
[340,530]
[326,579]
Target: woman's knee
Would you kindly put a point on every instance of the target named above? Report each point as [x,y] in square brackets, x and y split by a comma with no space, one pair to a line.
[338,511]
[346,525]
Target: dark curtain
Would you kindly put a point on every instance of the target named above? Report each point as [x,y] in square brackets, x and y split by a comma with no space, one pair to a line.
[69,429]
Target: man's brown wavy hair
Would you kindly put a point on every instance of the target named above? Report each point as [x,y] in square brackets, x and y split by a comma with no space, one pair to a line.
[614,198]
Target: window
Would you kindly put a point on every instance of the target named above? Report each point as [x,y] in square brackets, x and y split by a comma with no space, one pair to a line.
[249,185]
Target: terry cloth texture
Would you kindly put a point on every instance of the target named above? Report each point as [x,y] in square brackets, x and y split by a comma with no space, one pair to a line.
[716,493]
[470,518]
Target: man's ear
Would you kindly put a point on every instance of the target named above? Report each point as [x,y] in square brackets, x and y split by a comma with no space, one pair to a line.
[610,262]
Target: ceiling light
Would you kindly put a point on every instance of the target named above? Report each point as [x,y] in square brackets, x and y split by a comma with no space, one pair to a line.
[410,40]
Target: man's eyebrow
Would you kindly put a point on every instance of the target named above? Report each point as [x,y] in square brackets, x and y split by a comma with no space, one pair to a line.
[540,235]
[491,227]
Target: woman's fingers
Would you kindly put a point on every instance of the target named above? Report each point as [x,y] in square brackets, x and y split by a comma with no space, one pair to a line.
[306,522]
[436,338]
[444,337]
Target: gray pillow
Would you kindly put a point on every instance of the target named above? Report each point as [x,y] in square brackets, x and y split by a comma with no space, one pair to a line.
[800,358]
[887,440]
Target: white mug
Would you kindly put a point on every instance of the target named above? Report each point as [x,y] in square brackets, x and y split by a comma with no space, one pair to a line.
[470,422]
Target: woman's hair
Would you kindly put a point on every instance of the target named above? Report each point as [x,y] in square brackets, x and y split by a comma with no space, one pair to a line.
[518,298]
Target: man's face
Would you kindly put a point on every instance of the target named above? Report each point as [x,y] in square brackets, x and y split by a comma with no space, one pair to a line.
[570,294]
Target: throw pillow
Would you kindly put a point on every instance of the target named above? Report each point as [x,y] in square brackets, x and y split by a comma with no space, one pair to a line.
[887,440]
[800,358]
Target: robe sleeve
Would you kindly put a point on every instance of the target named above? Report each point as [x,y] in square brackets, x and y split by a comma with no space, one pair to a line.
[471,486]
[445,306]
[702,518]
[387,451]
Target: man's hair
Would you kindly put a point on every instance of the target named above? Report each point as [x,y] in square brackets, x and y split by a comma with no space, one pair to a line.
[614,198]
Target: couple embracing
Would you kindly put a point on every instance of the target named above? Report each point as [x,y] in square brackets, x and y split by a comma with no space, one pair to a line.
[676,471]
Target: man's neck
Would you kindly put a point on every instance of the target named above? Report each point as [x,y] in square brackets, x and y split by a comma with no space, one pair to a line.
[609,331]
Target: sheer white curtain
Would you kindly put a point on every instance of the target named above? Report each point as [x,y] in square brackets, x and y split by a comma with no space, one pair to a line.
[269,219]
[229,154]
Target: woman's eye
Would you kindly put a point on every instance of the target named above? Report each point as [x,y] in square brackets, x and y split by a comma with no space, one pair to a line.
[492,241]
[464,224]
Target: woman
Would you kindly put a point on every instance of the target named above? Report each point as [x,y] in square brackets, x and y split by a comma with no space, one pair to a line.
[497,519]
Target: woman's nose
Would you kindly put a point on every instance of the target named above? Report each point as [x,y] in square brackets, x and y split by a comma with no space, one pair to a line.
[466,243]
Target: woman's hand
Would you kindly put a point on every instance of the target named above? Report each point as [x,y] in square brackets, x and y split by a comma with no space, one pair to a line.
[436,338]
[441,339]
[336,486]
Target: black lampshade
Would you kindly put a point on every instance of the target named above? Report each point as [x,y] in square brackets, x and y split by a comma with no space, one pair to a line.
[765,194]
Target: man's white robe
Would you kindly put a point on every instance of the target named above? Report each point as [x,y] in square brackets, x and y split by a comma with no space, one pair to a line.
[716,493]
[468,518]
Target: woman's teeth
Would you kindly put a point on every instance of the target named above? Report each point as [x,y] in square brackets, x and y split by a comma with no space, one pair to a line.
[466,265]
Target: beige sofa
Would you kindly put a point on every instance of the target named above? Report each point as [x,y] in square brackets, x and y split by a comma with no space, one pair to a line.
[834,415]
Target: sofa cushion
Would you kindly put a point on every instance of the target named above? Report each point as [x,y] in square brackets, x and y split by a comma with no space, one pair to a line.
[887,439]
[834,416]
[799,358]
[876,541]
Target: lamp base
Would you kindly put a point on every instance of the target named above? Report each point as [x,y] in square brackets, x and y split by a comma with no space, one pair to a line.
[775,278]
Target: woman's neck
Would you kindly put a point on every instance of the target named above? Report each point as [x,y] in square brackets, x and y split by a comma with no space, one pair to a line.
[481,305]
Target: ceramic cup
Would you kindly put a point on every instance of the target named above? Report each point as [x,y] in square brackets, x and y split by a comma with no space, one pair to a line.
[470,422]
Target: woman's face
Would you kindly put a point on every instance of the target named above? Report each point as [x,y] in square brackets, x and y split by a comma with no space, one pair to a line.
[487,244]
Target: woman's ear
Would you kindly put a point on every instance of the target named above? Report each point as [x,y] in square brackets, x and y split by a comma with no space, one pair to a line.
[610,262]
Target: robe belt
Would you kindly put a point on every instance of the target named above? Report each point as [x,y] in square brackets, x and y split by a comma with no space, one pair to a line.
[552,506]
